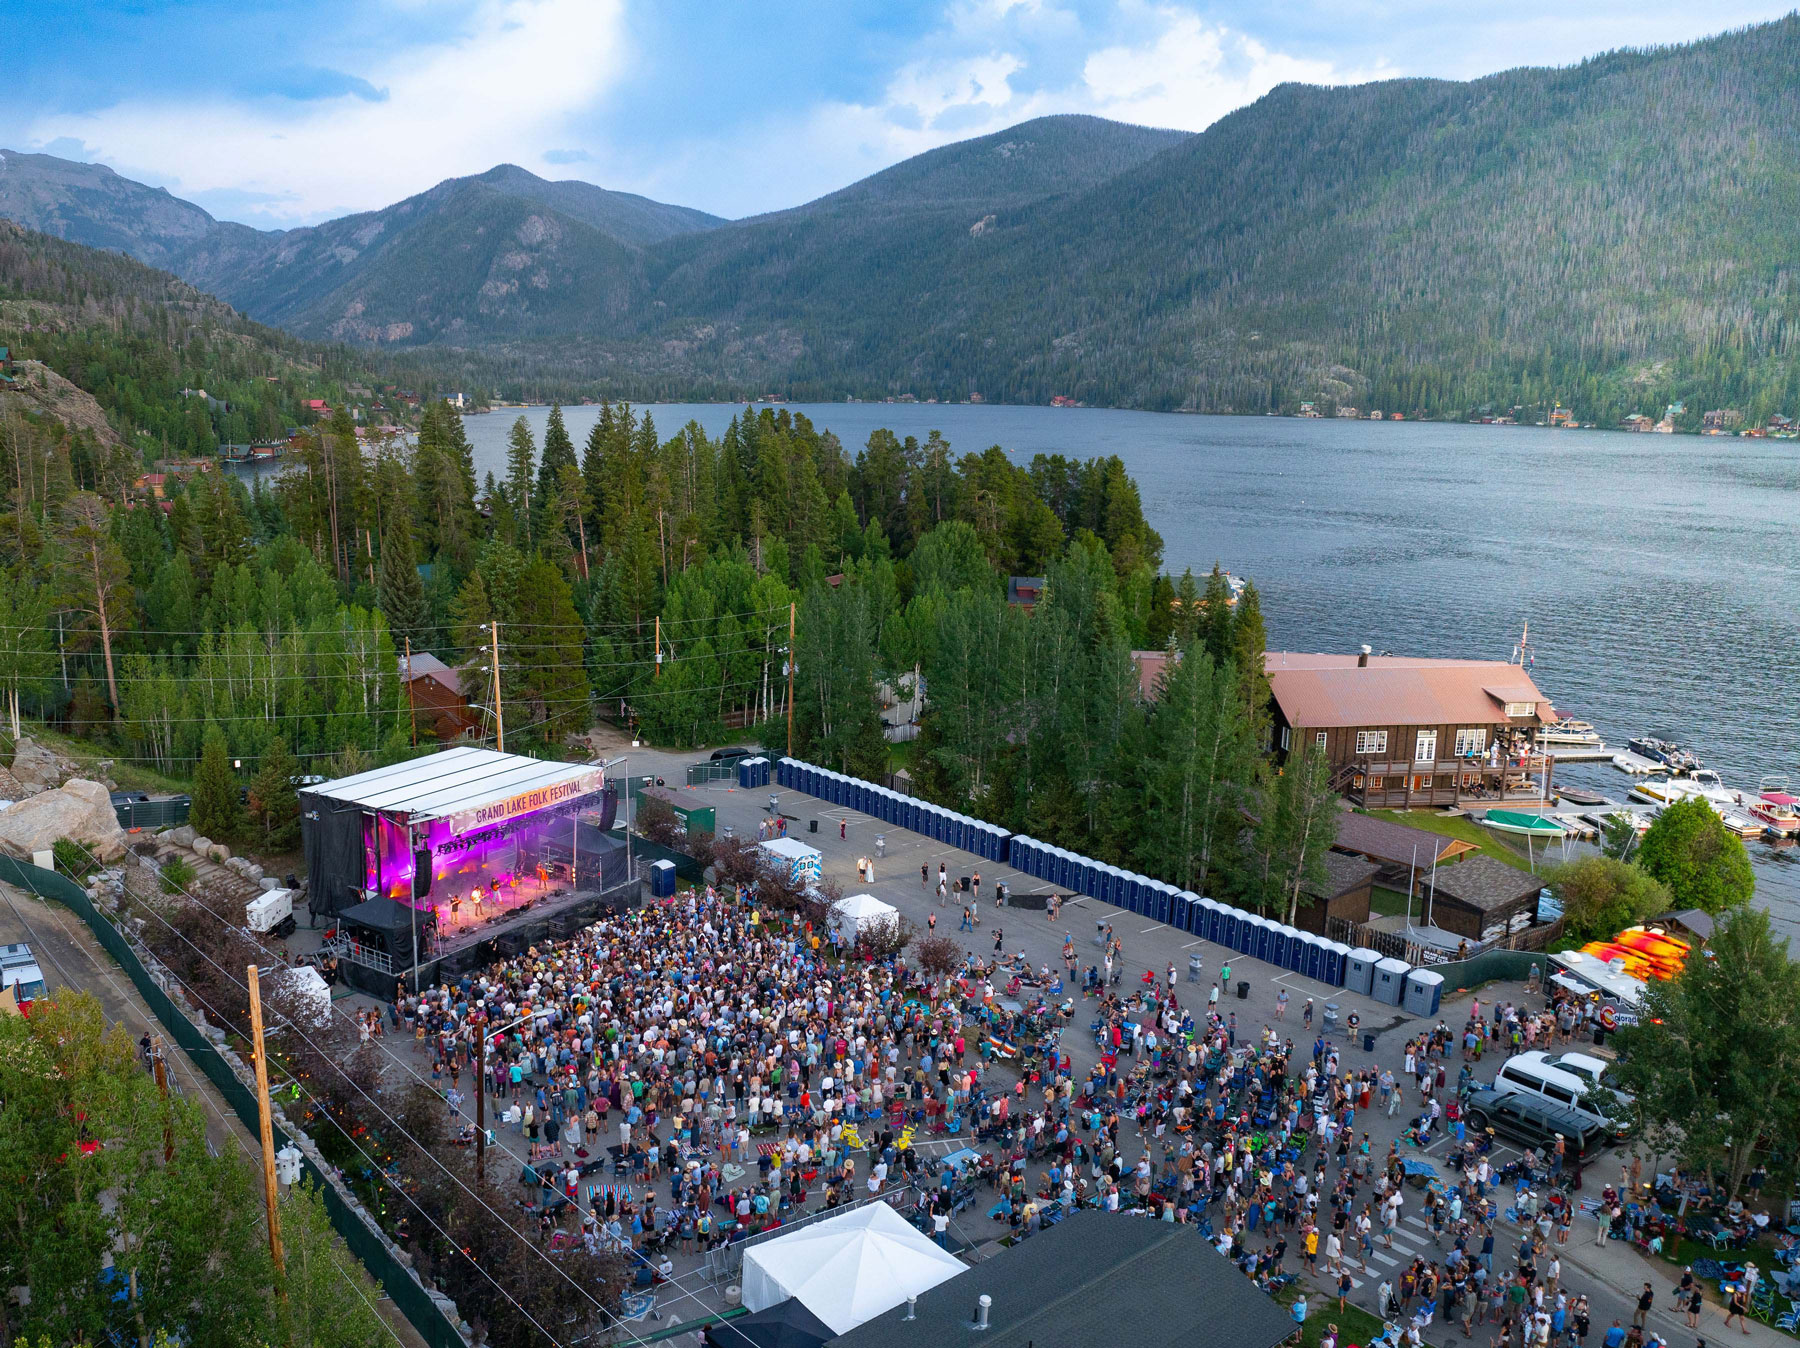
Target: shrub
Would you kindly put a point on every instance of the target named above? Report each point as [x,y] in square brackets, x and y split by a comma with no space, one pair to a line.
[177,875]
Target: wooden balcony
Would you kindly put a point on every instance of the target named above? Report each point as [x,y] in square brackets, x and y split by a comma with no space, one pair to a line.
[1399,785]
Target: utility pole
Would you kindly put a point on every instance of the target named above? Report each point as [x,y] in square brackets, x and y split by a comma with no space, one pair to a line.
[790,700]
[499,716]
[161,1069]
[658,646]
[268,1132]
[481,1035]
[412,708]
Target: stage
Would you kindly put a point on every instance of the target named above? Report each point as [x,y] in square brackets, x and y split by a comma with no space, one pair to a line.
[367,967]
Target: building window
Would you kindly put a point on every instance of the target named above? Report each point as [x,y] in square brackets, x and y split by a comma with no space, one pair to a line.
[1286,736]
[1425,751]
[1470,742]
[1371,741]
[1319,739]
[1375,784]
[1520,708]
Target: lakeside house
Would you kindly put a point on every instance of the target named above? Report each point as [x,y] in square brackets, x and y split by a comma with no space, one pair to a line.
[1407,733]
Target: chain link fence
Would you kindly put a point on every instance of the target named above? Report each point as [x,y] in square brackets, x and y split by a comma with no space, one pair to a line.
[367,1244]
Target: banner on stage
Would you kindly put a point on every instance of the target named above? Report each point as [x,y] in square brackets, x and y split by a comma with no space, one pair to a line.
[528,802]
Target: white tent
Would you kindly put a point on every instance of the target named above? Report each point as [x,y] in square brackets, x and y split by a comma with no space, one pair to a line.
[851,914]
[848,1269]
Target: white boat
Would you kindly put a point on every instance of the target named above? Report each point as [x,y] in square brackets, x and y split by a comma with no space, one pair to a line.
[1744,824]
[1704,785]
[1569,731]
[1636,764]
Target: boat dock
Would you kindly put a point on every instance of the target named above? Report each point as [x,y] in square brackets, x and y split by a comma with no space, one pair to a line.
[1636,764]
[1580,753]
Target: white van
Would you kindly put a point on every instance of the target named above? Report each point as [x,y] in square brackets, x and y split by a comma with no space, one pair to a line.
[1559,1083]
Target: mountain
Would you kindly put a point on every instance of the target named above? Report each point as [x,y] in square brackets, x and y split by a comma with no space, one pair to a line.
[122,354]
[624,216]
[90,204]
[1615,235]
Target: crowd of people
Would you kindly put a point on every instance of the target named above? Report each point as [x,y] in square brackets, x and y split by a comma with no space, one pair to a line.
[703,1067]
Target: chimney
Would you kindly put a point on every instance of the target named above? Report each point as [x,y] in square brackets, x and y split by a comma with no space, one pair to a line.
[1362,660]
[981,1310]
[912,1308]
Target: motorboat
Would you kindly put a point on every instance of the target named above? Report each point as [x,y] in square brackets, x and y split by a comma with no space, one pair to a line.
[1703,783]
[1569,731]
[1607,820]
[1576,795]
[1775,808]
[1743,823]
[1666,752]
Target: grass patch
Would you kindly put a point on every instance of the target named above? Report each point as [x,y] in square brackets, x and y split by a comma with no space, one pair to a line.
[1355,1325]
[1387,902]
[1456,826]
[86,754]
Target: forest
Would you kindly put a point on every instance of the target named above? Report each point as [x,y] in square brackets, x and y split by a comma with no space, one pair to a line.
[252,631]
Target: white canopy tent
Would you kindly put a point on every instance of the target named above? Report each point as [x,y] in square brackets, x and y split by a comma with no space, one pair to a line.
[851,914]
[848,1269]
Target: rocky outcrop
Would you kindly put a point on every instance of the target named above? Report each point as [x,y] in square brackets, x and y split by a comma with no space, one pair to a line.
[36,766]
[80,810]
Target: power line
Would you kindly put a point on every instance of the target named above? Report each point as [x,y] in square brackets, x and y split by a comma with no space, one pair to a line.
[329,629]
[294,1026]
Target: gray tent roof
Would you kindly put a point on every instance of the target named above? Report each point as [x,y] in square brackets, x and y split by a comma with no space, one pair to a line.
[1093,1278]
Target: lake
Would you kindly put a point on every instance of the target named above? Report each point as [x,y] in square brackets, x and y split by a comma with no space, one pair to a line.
[1660,574]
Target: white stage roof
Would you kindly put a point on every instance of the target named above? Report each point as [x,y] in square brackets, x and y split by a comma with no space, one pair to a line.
[466,785]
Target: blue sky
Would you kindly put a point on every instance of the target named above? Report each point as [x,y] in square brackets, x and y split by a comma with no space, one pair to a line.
[280,113]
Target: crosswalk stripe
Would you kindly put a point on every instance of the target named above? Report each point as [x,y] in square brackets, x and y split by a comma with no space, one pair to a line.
[1387,1259]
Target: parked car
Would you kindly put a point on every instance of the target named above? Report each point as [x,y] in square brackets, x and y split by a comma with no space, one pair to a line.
[735,751]
[1536,1122]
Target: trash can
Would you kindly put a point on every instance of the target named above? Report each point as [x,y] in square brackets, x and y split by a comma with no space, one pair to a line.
[1193,968]
[1099,931]
[812,825]
[1368,1042]
[1243,990]
[1331,1015]
[1599,1037]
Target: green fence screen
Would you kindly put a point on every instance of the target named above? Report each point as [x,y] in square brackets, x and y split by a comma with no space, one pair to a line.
[411,1298]
[1488,967]
[152,814]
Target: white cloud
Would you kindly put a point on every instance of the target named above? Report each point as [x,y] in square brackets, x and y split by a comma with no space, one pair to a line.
[506,84]
[996,63]
[1192,73]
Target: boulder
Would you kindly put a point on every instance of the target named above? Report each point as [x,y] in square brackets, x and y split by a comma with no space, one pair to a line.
[34,765]
[268,882]
[11,788]
[201,843]
[219,852]
[180,837]
[79,810]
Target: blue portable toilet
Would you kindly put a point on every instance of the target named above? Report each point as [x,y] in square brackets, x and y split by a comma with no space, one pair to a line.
[1151,898]
[1116,878]
[1225,929]
[1294,957]
[1279,936]
[1261,934]
[1130,890]
[1062,867]
[964,829]
[662,879]
[1244,934]
[1359,970]
[1314,966]
[953,828]
[1103,882]
[939,828]
[746,773]
[812,780]
[1337,959]
[1165,902]
[1205,914]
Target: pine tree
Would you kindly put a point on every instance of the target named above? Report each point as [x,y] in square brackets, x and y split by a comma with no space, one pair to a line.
[215,812]
[521,451]
[1216,621]
[399,590]
[559,454]
[274,803]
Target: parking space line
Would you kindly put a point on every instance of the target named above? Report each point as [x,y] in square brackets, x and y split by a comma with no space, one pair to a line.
[1191,944]
[1147,930]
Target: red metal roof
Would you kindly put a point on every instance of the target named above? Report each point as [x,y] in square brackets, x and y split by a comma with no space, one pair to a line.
[1322,691]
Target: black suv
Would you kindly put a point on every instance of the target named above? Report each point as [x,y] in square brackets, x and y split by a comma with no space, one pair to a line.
[735,751]
[1535,1122]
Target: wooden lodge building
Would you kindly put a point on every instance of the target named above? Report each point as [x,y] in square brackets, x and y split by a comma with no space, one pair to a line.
[1404,733]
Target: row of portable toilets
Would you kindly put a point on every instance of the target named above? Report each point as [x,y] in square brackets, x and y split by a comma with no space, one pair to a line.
[934,821]
[1364,971]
